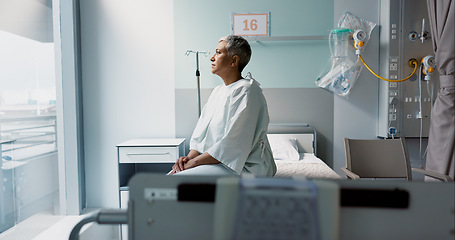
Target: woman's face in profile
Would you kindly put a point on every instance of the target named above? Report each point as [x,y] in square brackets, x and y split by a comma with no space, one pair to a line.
[221,62]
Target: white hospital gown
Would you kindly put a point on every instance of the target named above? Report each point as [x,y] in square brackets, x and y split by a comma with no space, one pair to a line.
[232,128]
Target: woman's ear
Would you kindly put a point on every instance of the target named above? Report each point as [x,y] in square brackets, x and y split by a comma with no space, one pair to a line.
[235,61]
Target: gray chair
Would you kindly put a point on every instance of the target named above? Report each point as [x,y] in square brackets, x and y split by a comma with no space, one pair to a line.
[381,158]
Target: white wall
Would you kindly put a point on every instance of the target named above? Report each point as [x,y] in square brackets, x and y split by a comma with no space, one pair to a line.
[127,81]
[356,116]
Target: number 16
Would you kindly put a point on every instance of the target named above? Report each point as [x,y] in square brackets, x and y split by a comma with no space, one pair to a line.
[253,25]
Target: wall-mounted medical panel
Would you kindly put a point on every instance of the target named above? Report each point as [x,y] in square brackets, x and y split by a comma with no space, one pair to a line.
[404,107]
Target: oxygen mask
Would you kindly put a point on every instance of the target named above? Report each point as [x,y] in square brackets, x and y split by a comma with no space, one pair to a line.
[338,76]
[344,66]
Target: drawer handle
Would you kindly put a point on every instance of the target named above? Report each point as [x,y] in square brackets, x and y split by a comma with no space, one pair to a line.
[147,154]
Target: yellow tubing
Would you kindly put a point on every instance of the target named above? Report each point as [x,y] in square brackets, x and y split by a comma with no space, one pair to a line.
[390,80]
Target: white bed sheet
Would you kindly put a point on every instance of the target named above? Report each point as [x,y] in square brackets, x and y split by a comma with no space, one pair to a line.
[308,166]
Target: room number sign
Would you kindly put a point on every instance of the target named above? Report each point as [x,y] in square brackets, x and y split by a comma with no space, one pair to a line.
[255,24]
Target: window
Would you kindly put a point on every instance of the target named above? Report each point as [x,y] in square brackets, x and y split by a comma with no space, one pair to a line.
[28,148]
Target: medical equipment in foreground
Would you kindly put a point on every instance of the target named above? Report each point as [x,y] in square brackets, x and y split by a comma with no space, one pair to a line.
[198,74]
[211,207]
[208,207]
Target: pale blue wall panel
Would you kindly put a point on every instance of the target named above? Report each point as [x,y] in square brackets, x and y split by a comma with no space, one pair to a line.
[279,64]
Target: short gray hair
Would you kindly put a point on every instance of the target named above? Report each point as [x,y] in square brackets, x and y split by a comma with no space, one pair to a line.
[236,45]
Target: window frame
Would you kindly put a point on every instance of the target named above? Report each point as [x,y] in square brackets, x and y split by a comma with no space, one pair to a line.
[69,106]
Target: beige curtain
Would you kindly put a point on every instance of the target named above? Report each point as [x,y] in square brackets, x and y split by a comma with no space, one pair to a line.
[441,142]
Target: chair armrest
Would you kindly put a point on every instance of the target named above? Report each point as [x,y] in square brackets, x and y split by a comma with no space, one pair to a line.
[350,174]
[439,176]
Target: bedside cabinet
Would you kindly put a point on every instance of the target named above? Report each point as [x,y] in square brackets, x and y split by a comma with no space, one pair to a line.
[145,155]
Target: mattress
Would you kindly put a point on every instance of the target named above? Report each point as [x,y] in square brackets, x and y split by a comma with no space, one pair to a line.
[308,166]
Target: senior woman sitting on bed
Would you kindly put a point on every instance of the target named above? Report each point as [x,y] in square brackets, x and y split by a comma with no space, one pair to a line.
[231,134]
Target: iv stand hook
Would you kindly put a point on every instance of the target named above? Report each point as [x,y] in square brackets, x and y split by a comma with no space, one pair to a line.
[198,74]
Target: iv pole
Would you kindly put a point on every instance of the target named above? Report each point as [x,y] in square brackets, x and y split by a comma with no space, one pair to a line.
[198,74]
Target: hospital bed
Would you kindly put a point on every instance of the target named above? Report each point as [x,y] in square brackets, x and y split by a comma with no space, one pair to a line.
[294,149]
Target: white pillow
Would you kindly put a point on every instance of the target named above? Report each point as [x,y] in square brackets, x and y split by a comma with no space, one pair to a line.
[283,147]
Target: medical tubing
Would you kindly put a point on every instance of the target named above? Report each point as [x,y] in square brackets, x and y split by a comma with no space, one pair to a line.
[431,96]
[430,93]
[105,216]
[385,79]
[421,113]
[330,45]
